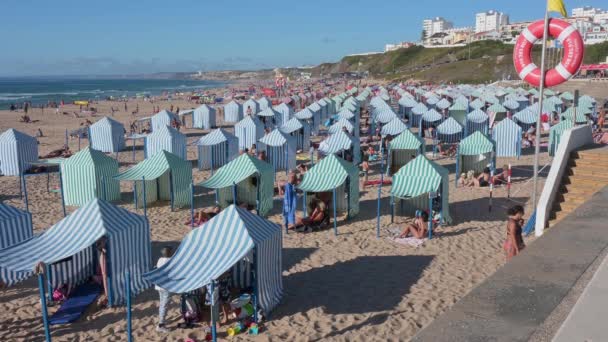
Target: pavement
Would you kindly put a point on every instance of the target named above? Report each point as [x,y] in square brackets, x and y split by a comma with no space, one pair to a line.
[514,302]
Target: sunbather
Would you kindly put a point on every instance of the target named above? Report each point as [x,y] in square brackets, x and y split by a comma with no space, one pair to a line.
[418,229]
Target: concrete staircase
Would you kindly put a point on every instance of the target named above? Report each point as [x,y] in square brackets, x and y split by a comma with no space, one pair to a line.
[587,173]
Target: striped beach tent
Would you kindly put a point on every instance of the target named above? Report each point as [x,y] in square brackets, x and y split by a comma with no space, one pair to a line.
[525,118]
[342,144]
[271,117]
[449,131]
[313,118]
[475,152]
[163,118]
[459,111]
[477,121]
[507,135]
[165,138]
[167,176]
[248,131]
[17,151]
[264,103]
[403,148]
[233,112]
[89,174]
[556,133]
[299,130]
[286,112]
[568,115]
[416,114]
[203,117]
[339,125]
[253,104]
[250,178]
[333,174]
[68,249]
[280,150]
[216,149]
[393,128]
[15,227]
[230,239]
[413,183]
[107,135]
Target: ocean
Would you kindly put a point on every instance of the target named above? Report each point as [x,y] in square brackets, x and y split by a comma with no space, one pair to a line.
[41,90]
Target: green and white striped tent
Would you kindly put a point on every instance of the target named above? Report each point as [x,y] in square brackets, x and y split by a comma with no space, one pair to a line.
[405,147]
[167,177]
[459,111]
[556,133]
[413,183]
[254,181]
[342,143]
[475,152]
[333,173]
[89,174]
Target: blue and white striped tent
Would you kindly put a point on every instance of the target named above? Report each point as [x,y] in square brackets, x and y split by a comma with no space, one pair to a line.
[17,150]
[107,135]
[68,249]
[204,117]
[477,120]
[393,128]
[15,227]
[339,125]
[450,131]
[163,119]
[280,150]
[286,112]
[299,130]
[264,103]
[342,143]
[165,138]
[416,114]
[271,117]
[248,131]
[253,104]
[525,118]
[507,135]
[216,149]
[229,240]
[313,118]
[233,112]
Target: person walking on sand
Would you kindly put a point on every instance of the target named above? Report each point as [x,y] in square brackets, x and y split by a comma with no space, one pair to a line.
[163,294]
[514,242]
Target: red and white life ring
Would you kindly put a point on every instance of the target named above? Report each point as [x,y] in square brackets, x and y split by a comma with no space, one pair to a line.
[571,61]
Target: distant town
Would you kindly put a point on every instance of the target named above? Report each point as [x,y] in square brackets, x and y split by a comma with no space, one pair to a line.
[591,22]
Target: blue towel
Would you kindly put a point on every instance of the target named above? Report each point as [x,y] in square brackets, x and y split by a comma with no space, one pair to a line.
[76,304]
[290,201]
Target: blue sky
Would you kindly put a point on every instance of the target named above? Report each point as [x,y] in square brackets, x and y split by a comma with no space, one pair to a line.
[67,37]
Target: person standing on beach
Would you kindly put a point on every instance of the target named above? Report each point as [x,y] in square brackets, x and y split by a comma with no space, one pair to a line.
[514,242]
[163,294]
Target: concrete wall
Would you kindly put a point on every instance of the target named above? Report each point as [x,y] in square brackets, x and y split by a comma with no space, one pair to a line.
[571,140]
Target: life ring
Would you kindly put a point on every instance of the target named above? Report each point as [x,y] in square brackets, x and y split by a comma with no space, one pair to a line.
[571,61]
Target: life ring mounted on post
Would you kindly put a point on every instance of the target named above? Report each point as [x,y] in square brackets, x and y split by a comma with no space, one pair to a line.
[571,61]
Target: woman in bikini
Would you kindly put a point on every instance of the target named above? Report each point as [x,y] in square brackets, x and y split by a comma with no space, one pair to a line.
[514,242]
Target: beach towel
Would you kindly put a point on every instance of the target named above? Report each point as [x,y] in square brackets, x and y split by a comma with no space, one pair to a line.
[80,299]
[290,204]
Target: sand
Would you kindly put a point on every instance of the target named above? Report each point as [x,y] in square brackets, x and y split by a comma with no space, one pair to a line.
[353,287]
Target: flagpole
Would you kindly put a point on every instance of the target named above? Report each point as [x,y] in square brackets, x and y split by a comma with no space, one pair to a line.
[540,107]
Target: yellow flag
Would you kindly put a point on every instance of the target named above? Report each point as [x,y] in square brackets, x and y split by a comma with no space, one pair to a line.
[557,6]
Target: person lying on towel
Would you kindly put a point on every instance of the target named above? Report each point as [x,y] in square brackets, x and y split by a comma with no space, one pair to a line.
[418,229]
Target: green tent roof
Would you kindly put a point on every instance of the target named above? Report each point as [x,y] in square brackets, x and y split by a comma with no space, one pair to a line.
[329,173]
[476,143]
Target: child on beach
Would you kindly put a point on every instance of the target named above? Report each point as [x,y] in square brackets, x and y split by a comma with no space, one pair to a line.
[163,294]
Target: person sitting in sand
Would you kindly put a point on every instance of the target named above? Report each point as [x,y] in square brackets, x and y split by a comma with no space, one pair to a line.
[418,229]
[483,179]
[318,215]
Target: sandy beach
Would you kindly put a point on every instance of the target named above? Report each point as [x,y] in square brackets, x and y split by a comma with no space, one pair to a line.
[350,287]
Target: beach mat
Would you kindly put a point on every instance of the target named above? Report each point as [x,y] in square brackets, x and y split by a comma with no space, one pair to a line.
[76,304]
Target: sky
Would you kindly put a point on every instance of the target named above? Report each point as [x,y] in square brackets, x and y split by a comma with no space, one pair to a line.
[111,37]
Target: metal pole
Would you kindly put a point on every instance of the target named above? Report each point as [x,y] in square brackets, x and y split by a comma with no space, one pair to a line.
[128,294]
[335,214]
[540,108]
[45,314]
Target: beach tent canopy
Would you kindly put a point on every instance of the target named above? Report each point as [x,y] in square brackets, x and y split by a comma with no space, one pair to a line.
[340,142]
[393,127]
[163,173]
[165,138]
[253,104]
[418,178]
[216,149]
[507,135]
[233,112]
[300,130]
[403,148]
[556,133]
[107,135]
[203,117]
[332,173]
[68,248]
[280,150]
[89,174]
[339,125]
[17,151]
[241,171]
[248,131]
[209,251]
[163,118]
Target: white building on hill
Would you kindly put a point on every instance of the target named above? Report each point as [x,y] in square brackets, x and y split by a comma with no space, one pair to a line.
[490,21]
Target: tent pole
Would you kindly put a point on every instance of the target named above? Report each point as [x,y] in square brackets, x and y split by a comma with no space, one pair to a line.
[128,294]
[213,318]
[335,214]
[24,187]
[143,183]
[62,194]
[45,314]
